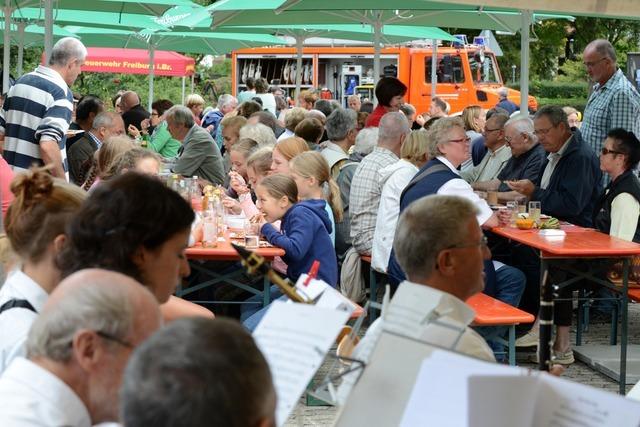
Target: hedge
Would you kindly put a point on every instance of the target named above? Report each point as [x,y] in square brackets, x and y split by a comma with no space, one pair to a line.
[577,103]
[556,90]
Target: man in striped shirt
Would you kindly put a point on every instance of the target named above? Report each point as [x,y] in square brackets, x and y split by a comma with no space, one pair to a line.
[614,102]
[36,114]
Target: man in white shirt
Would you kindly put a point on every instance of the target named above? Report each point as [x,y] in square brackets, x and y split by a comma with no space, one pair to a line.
[76,352]
[441,248]
[498,153]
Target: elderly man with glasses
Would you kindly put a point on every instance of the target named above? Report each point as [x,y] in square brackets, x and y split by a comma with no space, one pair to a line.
[497,156]
[614,102]
[77,350]
[527,156]
[569,185]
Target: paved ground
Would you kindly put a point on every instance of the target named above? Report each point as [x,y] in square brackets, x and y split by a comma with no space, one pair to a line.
[597,334]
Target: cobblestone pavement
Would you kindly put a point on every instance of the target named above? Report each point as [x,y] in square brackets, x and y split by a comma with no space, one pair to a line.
[597,334]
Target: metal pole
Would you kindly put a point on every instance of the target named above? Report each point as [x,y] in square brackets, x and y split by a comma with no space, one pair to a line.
[434,68]
[48,29]
[193,81]
[524,60]
[152,67]
[6,60]
[184,83]
[20,63]
[299,47]
[377,33]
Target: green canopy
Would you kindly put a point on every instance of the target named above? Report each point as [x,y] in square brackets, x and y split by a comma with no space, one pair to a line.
[89,18]
[378,13]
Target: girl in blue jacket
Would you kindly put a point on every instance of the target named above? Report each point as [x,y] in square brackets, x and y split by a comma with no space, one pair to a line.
[304,236]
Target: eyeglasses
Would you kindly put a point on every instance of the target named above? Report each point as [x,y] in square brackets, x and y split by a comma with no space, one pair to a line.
[606,151]
[117,340]
[461,141]
[484,242]
[543,132]
[593,64]
[491,130]
[154,114]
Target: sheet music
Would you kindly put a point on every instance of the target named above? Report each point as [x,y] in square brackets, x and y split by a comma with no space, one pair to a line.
[439,393]
[563,403]
[410,306]
[454,390]
[294,339]
[324,295]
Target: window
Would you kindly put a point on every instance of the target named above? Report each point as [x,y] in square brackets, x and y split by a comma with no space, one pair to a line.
[485,72]
[449,69]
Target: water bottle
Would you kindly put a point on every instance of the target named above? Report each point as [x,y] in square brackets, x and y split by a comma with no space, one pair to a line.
[210,228]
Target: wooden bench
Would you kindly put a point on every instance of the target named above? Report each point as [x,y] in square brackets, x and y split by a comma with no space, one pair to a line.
[492,312]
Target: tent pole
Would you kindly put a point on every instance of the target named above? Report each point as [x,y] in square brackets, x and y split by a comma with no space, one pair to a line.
[434,68]
[48,29]
[524,60]
[193,82]
[152,67]
[20,62]
[299,42]
[184,82]
[6,60]
[377,32]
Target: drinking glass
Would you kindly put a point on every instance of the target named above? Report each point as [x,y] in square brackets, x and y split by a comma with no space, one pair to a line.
[522,204]
[534,211]
[251,235]
[512,206]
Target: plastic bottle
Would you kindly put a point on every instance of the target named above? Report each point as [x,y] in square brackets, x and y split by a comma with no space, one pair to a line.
[210,228]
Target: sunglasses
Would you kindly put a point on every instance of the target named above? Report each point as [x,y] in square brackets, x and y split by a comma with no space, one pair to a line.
[606,151]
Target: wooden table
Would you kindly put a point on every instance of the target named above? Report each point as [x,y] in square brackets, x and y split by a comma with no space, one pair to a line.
[582,243]
[225,252]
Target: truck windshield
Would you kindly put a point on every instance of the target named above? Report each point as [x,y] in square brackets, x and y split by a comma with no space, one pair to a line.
[485,71]
[448,69]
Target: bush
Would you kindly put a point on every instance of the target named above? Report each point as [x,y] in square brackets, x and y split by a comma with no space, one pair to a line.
[577,103]
[556,90]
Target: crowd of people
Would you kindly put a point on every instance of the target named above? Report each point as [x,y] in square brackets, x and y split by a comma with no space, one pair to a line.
[98,243]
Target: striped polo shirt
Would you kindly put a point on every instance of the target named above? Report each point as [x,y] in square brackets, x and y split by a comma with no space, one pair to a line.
[39,105]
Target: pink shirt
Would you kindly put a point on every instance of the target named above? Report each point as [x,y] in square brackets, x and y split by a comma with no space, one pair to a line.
[6,176]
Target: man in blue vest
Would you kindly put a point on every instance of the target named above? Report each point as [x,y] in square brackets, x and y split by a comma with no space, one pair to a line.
[447,145]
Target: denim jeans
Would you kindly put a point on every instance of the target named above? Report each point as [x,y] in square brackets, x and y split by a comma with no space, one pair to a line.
[510,283]
[252,314]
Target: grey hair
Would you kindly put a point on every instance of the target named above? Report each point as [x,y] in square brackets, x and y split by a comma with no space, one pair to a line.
[554,113]
[260,133]
[427,227]
[180,115]
[215,362]
[408,109]
[340,122]
[392,125]
[366,141]
[439,132]
[604,48]
[104,119]
[97,307]
[503,92]
[523,124]
[225,100]
[67,49]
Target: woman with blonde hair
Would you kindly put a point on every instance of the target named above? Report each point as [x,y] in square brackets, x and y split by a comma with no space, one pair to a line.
[104,158]
[195,103]
[313,178]
[286,150]
[394,178]
[35,225]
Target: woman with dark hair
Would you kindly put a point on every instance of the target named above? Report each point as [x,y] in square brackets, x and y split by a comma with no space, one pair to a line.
[390,95]
[135,225]
[617,213]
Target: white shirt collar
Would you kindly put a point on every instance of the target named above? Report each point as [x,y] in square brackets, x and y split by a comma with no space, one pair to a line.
[21,286]
[42,388]
[448,164]
[457,308]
